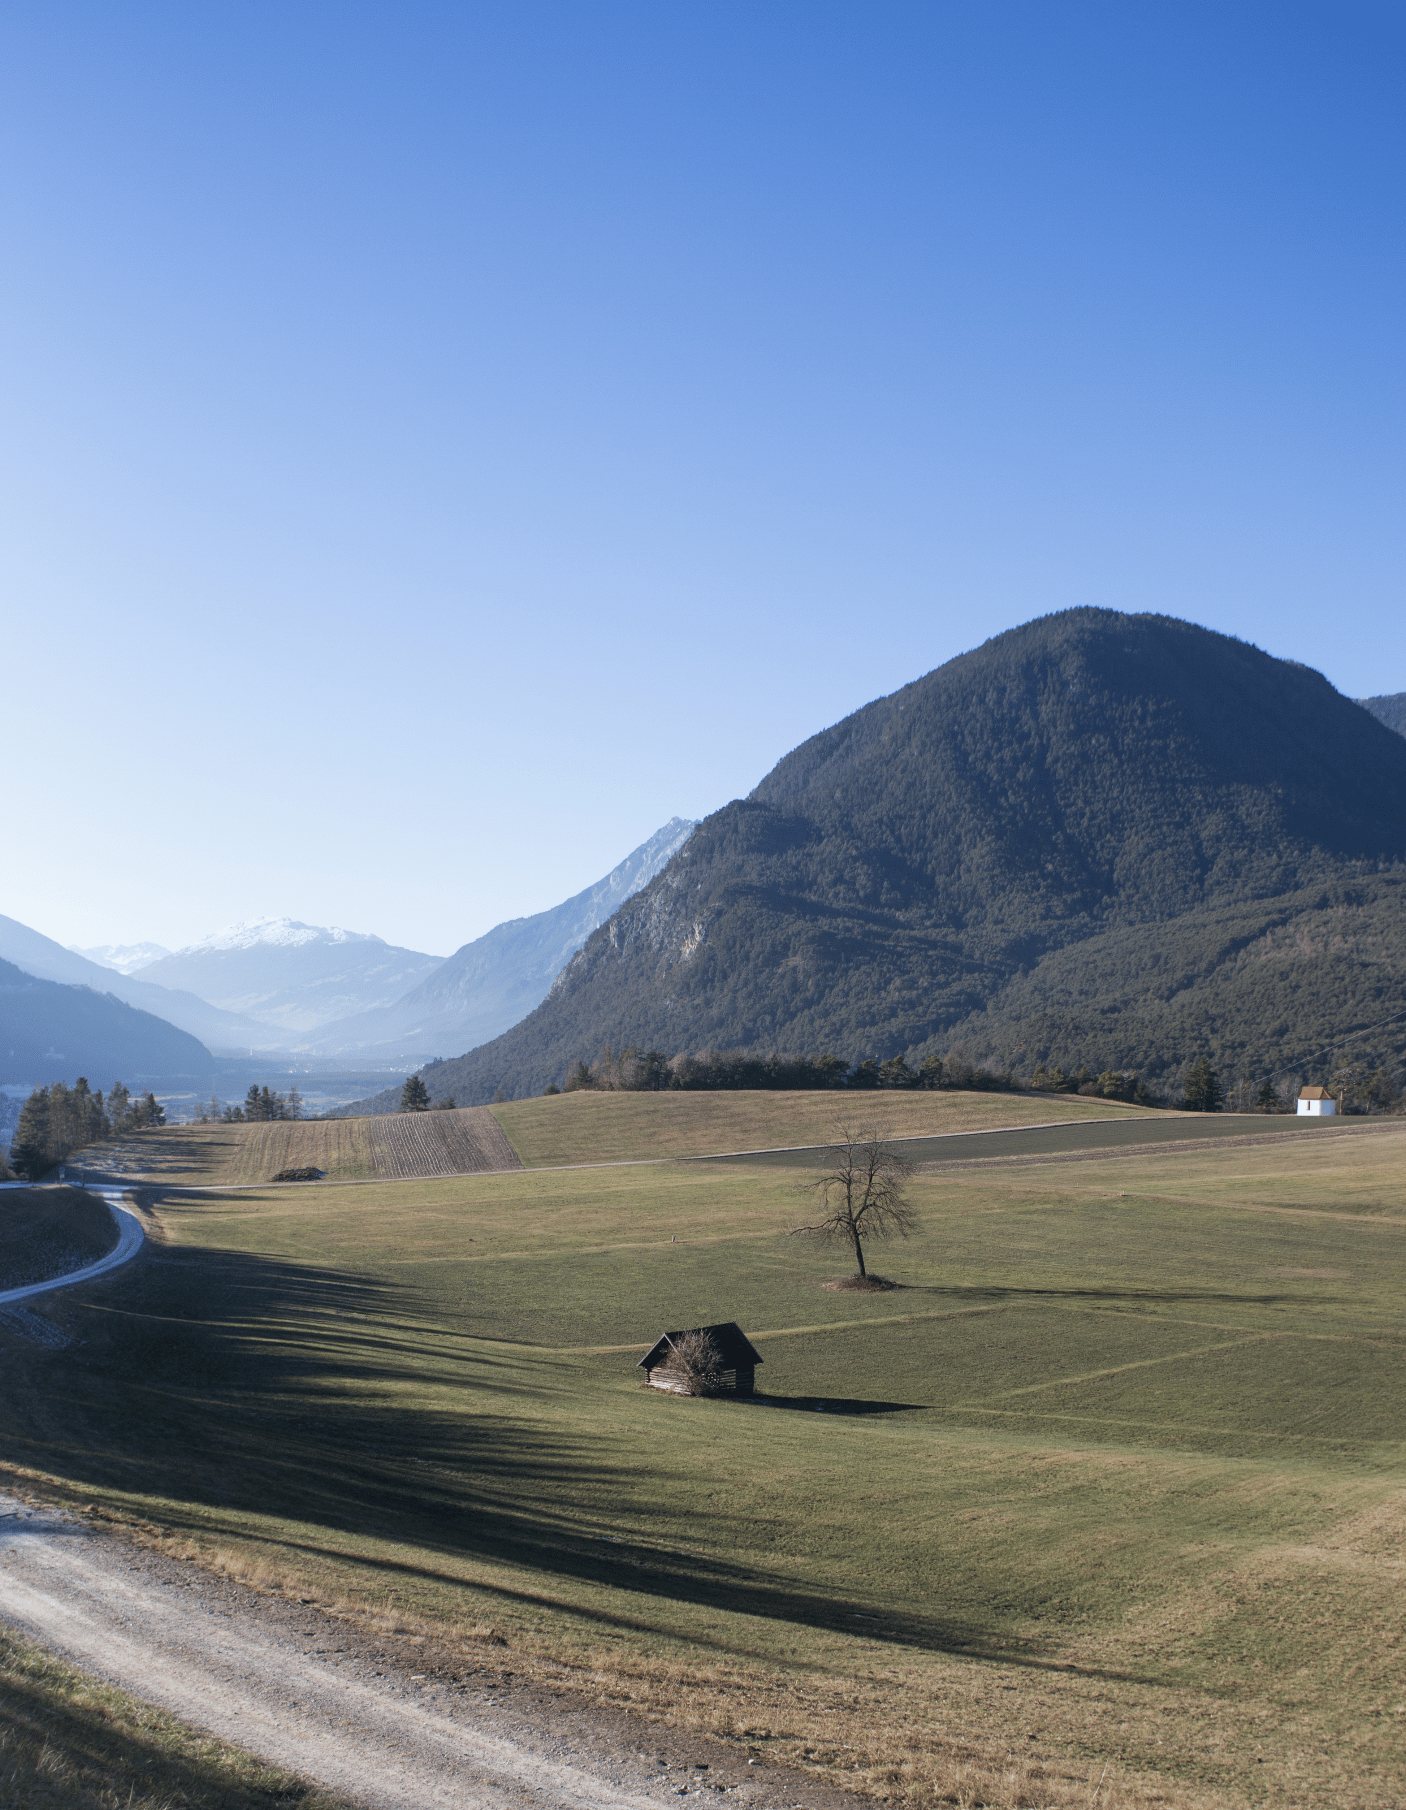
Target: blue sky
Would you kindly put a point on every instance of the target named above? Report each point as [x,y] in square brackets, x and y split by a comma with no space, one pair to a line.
[440,443]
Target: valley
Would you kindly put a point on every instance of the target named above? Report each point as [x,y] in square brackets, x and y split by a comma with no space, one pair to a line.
[1107,1492]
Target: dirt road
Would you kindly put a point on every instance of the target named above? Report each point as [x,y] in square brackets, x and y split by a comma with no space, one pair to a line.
[309,1692]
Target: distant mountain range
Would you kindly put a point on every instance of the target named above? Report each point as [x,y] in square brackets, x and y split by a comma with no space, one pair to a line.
[48,960]
[53,1032]
[123,958]
[1098,838]
[1390,710]
[291,978]
[277,986]
[498,978]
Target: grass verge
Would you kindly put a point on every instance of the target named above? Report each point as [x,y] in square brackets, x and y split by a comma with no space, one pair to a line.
[68,1742]
[48,1231]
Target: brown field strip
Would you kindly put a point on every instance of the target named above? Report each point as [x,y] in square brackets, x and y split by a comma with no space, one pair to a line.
[399,1146]
[468,1141]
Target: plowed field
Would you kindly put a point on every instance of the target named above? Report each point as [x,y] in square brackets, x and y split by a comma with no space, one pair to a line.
[465,1142]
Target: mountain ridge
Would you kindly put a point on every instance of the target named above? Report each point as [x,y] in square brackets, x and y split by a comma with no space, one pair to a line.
[53,1031]
[36,954]
[495,980]
[289,977]
[1389,709]
[895,875]
[122,958]
[276,933]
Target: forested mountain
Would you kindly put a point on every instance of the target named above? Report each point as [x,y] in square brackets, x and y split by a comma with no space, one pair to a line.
[290,977]
[1390,710]
[53,1032]
[47,960]
[496,980]
[1103,837]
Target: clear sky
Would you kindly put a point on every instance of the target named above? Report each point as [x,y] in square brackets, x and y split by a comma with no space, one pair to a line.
[439,443]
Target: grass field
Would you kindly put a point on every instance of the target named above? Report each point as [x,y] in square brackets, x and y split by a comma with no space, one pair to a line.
[1113,1488]
[393,1146]
[45,1231]
[604,1127]
[548,1133]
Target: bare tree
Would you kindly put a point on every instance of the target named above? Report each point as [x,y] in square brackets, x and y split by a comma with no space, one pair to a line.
[694,1364]
[861,1192]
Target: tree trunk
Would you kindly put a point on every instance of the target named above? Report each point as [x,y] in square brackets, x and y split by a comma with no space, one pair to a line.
[858,1251]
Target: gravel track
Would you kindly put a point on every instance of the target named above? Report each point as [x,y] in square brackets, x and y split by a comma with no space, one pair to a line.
[312,1693]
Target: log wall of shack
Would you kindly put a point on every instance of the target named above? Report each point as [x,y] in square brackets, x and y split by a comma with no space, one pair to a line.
[741,1381]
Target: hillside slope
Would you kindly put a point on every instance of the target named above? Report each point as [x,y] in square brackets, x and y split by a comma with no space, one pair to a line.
[1390,710]
[52,1032]
[42,957]
[397,1146]
[496,980]
[1158,796]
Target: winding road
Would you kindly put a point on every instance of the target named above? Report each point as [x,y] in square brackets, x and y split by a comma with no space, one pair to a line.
[130,1238]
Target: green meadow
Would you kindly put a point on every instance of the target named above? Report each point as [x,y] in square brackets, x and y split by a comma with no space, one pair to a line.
[1112,1486]
[591,1127]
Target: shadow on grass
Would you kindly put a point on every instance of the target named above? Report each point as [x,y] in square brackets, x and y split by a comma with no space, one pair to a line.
[229,1386]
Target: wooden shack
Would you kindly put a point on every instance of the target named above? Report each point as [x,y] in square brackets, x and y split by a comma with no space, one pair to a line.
[671,1362]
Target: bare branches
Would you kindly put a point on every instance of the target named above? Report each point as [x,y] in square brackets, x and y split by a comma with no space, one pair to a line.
[694,1364]
[861,1191]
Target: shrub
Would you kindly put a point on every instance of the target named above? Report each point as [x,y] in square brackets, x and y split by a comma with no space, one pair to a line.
[695,1365]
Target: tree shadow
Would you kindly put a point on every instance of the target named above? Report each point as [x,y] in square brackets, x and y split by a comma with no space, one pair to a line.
[236,1387]
[106,1755]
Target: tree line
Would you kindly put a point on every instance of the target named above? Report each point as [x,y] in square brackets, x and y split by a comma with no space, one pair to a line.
[58,1119]
[1358,1087]
[651,1071]
[260,1104]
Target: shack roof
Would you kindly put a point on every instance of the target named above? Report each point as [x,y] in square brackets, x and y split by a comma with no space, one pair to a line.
[1314,1093]
[734,1347]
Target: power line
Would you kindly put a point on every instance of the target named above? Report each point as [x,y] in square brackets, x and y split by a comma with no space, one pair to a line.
[1336,1044]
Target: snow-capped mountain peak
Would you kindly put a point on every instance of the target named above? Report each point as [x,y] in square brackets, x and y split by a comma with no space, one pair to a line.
[278,933]
[122,958]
